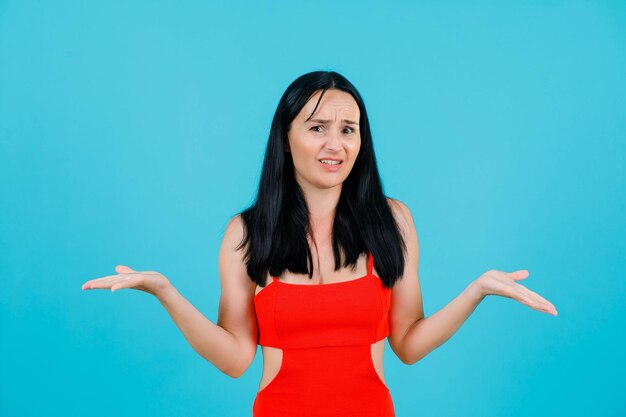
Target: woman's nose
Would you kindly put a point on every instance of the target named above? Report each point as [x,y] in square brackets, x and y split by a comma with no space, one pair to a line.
[333,140]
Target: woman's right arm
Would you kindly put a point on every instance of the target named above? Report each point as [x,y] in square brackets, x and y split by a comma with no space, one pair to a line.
[230,344]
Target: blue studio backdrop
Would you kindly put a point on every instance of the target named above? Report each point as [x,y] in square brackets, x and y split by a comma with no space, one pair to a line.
[130,133]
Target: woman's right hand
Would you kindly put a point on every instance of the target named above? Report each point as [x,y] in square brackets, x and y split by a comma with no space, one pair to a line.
[148,281]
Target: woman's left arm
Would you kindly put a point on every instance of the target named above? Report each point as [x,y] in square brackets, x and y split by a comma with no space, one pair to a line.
[413,336]
[427,334]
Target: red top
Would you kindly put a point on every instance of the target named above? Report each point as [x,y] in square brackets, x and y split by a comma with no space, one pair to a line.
[326,333]
[354,312]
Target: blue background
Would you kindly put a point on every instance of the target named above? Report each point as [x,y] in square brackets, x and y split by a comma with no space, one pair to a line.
[130,132]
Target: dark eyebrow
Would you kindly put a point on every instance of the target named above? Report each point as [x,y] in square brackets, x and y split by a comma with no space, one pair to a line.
[350,122]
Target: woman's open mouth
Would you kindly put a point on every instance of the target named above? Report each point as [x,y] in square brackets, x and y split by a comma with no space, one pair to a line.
[331,164]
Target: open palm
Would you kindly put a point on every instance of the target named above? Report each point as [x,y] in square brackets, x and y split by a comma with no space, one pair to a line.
[151,282]
[505,284]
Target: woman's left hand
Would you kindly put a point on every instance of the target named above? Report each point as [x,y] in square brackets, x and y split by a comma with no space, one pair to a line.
[502,283]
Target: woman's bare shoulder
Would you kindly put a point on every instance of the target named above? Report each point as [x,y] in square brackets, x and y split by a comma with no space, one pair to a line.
[402,214]
[235,229]
[232,254]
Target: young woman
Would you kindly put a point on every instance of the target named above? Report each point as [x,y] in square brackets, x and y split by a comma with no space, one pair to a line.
[320,269]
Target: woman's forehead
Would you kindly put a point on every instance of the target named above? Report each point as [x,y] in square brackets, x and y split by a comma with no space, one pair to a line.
[335,105]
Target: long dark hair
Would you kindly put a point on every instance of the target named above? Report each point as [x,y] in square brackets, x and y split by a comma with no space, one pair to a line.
[277,223]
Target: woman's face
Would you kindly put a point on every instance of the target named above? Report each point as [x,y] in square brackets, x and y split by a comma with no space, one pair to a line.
[332,133]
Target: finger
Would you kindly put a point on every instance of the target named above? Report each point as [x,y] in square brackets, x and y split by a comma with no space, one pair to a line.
[538,304]
[94,282]
[125,282]
[520,274]
[124,269]
[129,281]
[106,282]
[540,299]
[526,296]
[546,309]
[100,284]
[532,303]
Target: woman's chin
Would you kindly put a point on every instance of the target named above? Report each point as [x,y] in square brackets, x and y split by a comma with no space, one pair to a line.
[330,183]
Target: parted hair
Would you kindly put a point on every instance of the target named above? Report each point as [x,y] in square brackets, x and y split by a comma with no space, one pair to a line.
[276,224]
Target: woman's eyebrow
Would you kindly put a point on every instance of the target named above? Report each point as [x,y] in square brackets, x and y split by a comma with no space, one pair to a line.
[350,122]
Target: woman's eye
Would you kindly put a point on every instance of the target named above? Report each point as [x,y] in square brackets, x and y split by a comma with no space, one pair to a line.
[349,129]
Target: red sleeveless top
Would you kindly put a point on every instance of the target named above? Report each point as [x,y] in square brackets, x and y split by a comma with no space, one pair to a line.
[326,332]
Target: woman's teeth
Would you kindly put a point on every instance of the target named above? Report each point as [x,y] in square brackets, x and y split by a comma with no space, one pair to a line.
[329,162]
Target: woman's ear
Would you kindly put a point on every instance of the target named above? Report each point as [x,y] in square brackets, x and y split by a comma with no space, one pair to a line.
[286,146]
